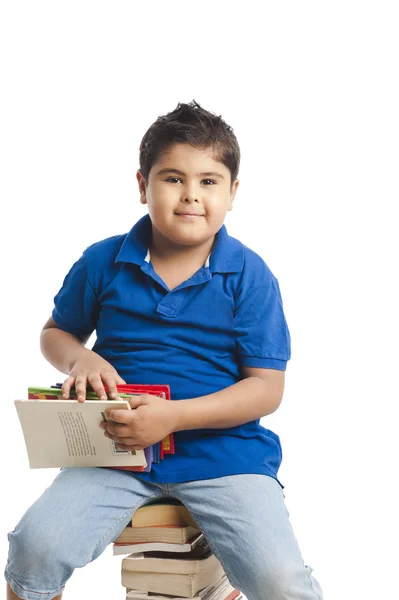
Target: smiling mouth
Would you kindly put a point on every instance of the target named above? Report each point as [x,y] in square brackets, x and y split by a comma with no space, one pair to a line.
[188,215]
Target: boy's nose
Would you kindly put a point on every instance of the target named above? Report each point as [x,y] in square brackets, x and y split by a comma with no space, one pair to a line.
[190,192]
[189,195]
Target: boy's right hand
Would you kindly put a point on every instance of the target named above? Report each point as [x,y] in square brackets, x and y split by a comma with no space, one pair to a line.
[91,369]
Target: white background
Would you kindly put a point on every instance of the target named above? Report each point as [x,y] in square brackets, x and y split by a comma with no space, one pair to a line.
[311,90]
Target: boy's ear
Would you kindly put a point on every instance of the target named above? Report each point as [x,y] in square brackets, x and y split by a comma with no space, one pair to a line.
[142,187]
[233,192]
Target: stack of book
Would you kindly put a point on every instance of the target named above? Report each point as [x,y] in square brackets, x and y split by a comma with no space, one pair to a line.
[169,558]
[66,433]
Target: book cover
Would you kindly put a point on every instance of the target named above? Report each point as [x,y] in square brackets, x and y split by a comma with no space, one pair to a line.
[141,547]
[167,446]
[162,514]
[138,595]
[177,584]
[220,590]
[223,595]
[160,562]
[66,433]
[172,534]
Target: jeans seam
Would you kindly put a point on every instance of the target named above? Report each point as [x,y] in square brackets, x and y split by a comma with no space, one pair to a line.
[61,589]
[311,584]
[211,545]
[131,510]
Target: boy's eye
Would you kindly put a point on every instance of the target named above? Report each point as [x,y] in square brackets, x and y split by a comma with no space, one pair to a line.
[174,179]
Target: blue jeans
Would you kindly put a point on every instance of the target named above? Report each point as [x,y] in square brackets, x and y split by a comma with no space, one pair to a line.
[243,517]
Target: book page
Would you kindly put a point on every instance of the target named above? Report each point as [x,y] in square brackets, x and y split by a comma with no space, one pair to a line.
[66,433]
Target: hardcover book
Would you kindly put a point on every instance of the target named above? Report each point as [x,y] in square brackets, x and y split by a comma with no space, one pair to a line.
[162,513]
[219,590]
[175,584]
[198,561]
[141,547]
[173,534]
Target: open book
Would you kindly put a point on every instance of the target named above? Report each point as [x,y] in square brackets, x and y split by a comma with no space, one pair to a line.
[74,438]
[67,433]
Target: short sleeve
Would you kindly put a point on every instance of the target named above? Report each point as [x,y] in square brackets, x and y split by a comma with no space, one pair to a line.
[261,331]
[76,306]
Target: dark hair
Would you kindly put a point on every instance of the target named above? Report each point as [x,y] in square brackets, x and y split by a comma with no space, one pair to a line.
[190,124]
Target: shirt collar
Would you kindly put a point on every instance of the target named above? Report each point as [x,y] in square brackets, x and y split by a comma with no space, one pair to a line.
[227,254]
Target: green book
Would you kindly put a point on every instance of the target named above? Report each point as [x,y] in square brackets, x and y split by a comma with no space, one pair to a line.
[49,393]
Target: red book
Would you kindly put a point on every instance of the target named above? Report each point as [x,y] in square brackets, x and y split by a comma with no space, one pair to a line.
[167,446]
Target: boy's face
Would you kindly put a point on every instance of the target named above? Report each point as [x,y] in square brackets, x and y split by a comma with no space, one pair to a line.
[188,195]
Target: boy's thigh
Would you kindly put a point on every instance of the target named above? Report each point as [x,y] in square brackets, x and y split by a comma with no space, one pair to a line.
[246,523]
[82,511]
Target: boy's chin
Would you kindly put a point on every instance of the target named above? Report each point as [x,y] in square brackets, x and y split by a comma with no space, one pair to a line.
[188,239]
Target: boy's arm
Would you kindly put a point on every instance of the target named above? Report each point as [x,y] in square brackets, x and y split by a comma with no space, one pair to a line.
[257,395]
[60,348]
[67,353]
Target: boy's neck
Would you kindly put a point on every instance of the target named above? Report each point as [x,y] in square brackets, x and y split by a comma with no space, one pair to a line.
[161,251]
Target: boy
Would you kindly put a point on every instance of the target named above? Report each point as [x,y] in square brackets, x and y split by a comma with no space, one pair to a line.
[178,301]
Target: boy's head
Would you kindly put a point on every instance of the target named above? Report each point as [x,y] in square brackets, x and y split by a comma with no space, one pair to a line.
[190,124]
[189,162]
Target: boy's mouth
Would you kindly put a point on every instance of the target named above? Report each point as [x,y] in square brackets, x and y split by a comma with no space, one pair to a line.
[188,214]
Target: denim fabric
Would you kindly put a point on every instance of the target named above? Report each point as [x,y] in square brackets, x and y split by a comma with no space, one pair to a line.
[243,517]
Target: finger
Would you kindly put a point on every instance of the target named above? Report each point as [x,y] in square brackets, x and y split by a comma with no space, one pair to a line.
[97,385]
[120,415]
[128,441]
[116,429]
[131,448]
[135,401]
[111,383]
[66,386]
[80,387]
[130,445]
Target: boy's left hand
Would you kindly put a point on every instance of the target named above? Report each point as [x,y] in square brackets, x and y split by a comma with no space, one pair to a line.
[152,420]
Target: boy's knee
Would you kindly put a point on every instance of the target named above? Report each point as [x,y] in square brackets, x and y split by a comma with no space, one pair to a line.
[282,581]
[30,549]
[36,546]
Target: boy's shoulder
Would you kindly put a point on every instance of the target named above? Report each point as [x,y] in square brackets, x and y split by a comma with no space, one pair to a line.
[238,255]
[106,248]
[104,252]
[100,261]
[253,273]
[253,264]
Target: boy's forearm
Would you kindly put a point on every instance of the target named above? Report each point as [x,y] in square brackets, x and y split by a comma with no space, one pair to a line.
[245,401]
[60,348]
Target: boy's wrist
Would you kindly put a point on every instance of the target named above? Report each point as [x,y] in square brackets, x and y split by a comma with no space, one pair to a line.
[76,357]
[179,408]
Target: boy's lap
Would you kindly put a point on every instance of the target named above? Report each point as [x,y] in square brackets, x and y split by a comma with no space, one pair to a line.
[96,502]
[244,519]
[87,502]
[247,503]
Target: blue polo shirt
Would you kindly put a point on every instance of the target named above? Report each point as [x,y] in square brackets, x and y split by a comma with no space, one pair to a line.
[194,338]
